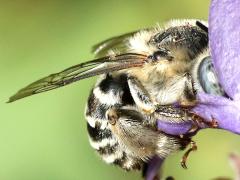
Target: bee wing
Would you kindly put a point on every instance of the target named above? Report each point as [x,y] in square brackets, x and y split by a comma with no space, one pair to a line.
[119,43]
[81,71]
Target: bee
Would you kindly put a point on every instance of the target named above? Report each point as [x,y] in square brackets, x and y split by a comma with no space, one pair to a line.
[143,75]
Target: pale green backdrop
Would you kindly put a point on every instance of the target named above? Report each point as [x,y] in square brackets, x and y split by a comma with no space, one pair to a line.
[44,137]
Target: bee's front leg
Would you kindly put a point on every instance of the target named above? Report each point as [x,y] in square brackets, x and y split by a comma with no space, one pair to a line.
[200,121]
[143,100]
[140,95]
[188,97]
[188,101]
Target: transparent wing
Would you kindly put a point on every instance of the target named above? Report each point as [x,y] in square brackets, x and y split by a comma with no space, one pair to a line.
[81,71]
[119,43]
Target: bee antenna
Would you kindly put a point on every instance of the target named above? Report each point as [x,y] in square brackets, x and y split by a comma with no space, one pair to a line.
[202,26]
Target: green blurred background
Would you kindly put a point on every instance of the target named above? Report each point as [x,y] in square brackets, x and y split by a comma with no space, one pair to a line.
[44,137]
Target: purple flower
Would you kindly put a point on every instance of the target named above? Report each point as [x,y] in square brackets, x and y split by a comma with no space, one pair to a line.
[153,168]
[224,37]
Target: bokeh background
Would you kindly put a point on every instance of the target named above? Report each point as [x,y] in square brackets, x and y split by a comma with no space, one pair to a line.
[44,137]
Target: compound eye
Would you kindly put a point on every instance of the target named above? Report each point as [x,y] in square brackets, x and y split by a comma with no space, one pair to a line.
[207,77]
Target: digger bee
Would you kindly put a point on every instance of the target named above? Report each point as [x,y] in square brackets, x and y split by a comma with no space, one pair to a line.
[142,75]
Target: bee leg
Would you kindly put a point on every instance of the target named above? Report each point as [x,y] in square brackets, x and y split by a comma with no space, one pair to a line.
[143,140]
[112,116]
[188,98]
[140,95]
[186,154]
[128,128]
[171,113]
[200,120]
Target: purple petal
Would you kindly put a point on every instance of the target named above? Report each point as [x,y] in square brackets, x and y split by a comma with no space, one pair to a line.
[224,36]
[174,128]
[153,167]
[223,110]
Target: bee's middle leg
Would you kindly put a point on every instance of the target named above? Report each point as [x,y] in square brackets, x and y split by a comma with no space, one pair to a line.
[140,95]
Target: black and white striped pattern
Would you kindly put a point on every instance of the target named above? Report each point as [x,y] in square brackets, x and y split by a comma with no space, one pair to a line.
[108,92]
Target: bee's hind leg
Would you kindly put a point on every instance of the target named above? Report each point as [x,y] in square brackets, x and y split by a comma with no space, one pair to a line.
[140,138]
[140,95]
[193,147]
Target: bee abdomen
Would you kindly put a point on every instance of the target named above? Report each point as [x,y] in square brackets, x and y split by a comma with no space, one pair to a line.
[128,163]
[109,93]
[97,134]
[100,136]
[95,112]
[109,149]
[104,143]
